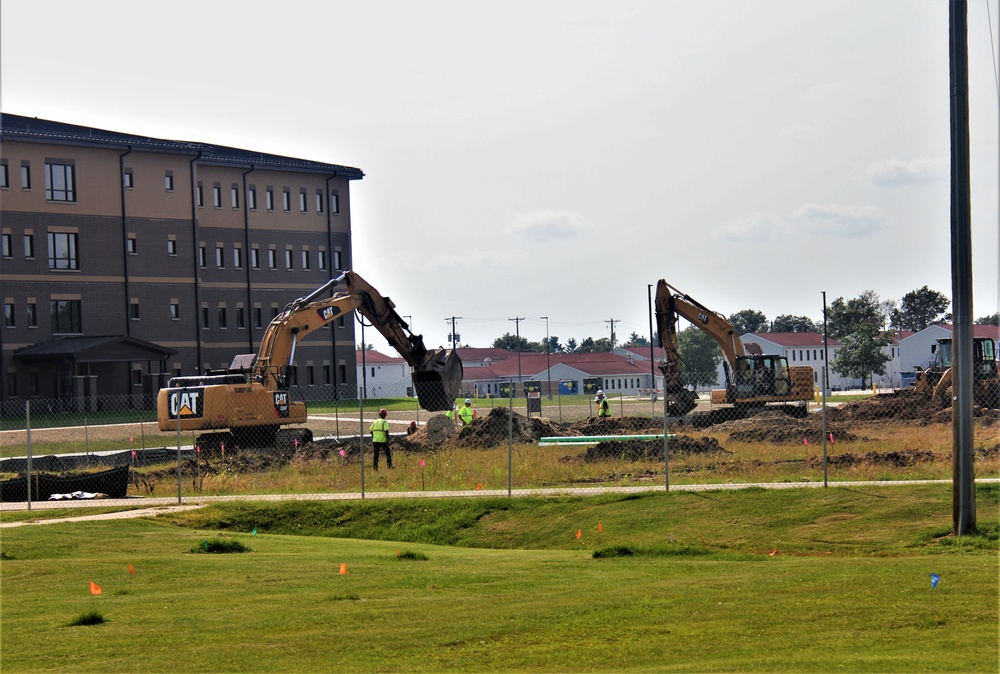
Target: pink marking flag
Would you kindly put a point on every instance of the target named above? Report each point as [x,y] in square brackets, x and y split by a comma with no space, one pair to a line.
[421,463]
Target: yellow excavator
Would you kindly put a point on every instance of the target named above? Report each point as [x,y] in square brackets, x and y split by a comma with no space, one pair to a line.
[752,380]
[249,404]
[936,379]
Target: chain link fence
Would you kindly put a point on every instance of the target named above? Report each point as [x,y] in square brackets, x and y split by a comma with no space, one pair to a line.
[236,442]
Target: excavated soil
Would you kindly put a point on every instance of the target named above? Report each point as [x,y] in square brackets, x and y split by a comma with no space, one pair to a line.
[651,450]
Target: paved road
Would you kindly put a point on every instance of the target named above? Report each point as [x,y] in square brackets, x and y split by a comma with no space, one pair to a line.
[148,507]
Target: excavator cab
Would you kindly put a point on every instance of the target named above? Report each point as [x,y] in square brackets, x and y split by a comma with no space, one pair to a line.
[438,382]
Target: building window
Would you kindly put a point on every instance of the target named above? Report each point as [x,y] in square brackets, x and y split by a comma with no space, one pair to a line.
[255,258]
[252,198]
[319,202]
[272,258]
[334,203]
[321,259]
[305,260]
[258,318]
[310,376]
[200,192]
[217,195]
[274,313]
[222,318]
[133,311]
[60,183]
[175,311]
[34,384]
[204,318]
[302,202]
[238,258]
[171,246]
[220,259]
[29,246]
[25,175]
[288,260]
[202,256]
[234,193]
[336,260]
[9,319]
[240,318]
[286,197]
[131,246]
[12,384]
[4,175]
[66,317]
[168,181]
[6,244]
[136,377]
[269,199]
[63,250]
[32,315]
[128,179]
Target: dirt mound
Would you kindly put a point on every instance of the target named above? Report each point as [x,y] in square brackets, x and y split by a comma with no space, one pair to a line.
[647,450]
[905,404]
[492,430]
[614,426]
[897,459]
[436,433]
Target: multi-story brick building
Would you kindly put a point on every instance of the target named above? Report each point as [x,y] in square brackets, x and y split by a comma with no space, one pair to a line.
[128,259]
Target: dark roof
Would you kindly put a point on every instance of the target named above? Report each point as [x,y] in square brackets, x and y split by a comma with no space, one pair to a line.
[16,127]
[108,349]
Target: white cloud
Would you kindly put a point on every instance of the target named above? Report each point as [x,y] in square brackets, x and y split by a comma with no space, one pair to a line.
[840,221]
[550,224]
[759,226]
[899,173]
[797,130]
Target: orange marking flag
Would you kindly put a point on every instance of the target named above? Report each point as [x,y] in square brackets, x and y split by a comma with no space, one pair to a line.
[579,533]
[343,569]
[94,589]
[130,569]
[599,527]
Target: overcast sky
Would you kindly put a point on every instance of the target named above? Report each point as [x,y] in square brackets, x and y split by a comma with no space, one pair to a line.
[553,158]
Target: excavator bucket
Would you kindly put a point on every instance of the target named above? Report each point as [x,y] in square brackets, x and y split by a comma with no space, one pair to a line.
[439,382]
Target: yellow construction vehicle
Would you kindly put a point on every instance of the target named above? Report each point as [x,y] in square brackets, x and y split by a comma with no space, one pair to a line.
[936,379]
[752,380]
[249,404]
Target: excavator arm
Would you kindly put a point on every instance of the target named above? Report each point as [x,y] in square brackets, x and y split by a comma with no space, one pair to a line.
[437,374]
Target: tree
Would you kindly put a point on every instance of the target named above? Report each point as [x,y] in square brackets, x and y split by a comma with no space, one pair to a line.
[862,354]
[603,344]
[700,355]
[989,320]
[511,343]
[554,345]
[865,310]
[365,346]
[919,309]
[636,340]
[586,346]
[571,345]
[789,323]
[748,320]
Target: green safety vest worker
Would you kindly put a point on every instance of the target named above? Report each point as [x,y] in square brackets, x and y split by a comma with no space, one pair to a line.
[380,431]
[603,408]
[466,413]
[450,414]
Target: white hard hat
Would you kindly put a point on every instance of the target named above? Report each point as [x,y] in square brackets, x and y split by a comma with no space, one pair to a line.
[468,401]
[600,392]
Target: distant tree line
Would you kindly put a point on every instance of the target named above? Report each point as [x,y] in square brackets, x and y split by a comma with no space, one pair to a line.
[862,324]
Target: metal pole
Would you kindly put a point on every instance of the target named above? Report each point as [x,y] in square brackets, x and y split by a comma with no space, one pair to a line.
[548,352]
[178,456]
[963,481]
[510,442]
[361,442]
[666,446]
[824,384]
[27,427]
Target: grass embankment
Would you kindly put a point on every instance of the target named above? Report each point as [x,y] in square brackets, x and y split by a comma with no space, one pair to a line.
[754,580]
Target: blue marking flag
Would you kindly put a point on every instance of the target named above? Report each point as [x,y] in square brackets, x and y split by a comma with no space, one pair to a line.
[935,579]
[254,532]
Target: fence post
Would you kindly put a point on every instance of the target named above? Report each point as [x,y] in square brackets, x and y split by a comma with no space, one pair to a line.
[86,438]
[510,439]
[361,440]
[27,427]
[823,377]
[178,456]
[666,443]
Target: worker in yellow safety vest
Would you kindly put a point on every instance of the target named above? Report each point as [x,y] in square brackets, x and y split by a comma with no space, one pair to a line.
[380,438]
[603,408]
[466,413]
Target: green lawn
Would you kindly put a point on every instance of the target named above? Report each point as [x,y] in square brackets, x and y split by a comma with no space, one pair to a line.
[686,582]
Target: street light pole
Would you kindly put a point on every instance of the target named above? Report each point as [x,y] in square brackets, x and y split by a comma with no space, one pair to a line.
[548,359]
[652,358]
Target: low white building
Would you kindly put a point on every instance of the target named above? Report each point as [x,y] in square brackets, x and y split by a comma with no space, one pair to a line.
[382,376]
[915,349]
